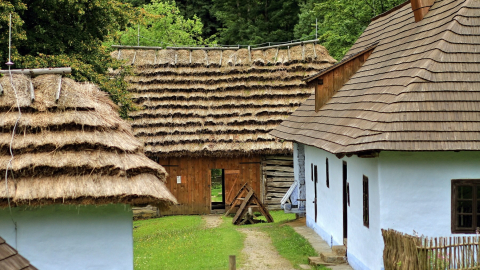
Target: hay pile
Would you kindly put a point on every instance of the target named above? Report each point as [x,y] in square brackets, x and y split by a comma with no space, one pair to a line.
[218,103]
[74,151]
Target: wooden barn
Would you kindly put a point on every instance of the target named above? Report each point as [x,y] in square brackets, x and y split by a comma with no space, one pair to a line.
[210,110]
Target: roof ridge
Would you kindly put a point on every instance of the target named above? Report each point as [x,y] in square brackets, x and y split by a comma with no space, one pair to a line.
[390,11]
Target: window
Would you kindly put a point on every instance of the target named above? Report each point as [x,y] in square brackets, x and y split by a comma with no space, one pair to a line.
[465,206]
[316,174]
[366,216]
[348,194]
[328,174]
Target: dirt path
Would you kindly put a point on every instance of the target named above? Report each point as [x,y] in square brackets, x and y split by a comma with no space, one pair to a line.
[259,253]
[212,221]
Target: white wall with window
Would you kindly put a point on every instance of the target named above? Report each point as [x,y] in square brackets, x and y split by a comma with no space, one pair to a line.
[407,191]
[329,223]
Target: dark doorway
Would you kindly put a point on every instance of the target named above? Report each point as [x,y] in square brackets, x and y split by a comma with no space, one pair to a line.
[217,189]
[345,200]
[315,188]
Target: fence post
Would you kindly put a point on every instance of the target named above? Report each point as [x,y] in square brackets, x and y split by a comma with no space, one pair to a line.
[233,262]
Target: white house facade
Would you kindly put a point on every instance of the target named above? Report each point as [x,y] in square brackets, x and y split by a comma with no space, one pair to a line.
[391,136]
[71,236]
[407,191]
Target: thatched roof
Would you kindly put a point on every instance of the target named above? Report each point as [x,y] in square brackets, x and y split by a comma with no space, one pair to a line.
[418,91]
[218,103]
[74,151]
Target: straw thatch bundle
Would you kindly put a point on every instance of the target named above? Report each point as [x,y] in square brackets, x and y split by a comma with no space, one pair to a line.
[75,150]
[218,103]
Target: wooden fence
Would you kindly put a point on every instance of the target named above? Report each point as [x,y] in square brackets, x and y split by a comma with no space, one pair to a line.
[404,251]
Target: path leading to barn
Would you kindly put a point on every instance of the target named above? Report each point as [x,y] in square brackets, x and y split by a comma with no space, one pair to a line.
[259,253]
[212,221]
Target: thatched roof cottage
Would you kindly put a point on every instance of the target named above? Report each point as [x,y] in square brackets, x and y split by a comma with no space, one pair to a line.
[70,170]
[396,144]
[212,108]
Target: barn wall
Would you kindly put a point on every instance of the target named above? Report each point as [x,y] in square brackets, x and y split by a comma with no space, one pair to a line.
[71,237]
[193,193]
[278,175]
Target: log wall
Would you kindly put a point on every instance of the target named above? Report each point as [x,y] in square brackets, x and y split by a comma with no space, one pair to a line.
[278,177]
[193,193]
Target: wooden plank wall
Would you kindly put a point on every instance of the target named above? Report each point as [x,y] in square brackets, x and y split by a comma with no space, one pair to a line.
[278,175]
[193,193]
[329,83]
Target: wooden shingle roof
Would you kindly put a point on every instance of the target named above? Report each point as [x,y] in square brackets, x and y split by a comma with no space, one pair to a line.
[214,103]
[11,260]
[418,91]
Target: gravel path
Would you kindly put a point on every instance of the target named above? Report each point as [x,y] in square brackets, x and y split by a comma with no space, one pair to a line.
[212,221]
[259,253]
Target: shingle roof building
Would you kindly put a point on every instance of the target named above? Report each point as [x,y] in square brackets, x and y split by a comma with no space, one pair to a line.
[419,90]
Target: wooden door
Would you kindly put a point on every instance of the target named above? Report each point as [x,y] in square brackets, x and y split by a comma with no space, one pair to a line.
[345,202]
[232,184]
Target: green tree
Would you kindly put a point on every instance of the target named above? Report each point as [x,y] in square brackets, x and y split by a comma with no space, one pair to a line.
[256,21]
[161,23]
[341,22]
[58,33]
[203,9]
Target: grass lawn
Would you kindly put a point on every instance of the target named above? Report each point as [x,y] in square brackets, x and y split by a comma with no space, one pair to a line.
[182,242]
[217,194]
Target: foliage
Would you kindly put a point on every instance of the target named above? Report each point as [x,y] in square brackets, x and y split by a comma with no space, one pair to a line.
[161,23]
[182,242]
[203,9]
[341,22]
[217,194]
[255,21]
[67,33]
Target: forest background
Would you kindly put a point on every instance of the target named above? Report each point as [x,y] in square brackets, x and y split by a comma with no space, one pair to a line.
[78,33]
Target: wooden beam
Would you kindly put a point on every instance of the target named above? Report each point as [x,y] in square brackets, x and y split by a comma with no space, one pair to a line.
[136,47]
[203,48]
[39,71]
[286,44]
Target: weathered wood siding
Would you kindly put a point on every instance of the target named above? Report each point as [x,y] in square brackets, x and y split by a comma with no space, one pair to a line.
[278,175]
[193,193]
[329,83]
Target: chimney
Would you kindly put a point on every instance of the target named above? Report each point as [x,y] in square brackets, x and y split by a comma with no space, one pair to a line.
[420,8]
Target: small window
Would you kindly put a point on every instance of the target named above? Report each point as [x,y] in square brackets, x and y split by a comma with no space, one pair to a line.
[316,174]
[311,172]
[327,173]
[348,194]
[366,217]
[465,206]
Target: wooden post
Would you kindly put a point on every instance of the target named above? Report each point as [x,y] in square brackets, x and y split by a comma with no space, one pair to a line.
[57,95]
[249,54]
[1,89]
[32,91]
[233,263]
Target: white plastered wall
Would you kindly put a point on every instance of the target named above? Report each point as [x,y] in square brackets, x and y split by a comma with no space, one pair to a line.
[365,245]
[416,189]
[71,237]
[408,191]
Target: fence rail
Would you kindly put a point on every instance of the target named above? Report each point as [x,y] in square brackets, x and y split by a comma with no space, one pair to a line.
[403,251]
